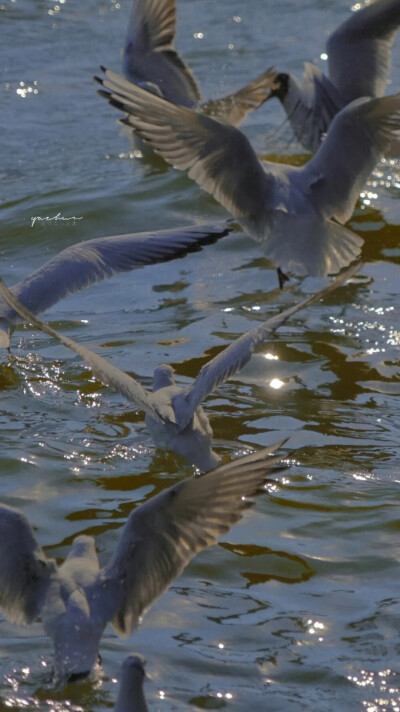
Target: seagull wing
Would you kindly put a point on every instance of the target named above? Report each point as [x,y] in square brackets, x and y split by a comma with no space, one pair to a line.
[234,108]
[102,369]
[162,535]
[359,50]
[310,105]
[236,355]
[216,155]
[362,130]
[150,55]
[24,571]
[86,263]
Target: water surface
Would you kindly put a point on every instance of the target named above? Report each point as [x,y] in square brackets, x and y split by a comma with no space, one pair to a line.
[298,607]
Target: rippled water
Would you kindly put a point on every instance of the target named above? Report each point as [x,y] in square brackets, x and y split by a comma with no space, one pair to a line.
[298,607]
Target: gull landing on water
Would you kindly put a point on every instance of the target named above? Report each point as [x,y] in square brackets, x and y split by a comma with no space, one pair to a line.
[151,61]
[294,213]
[76,600]
[174,415]
[86,263]
[358,53]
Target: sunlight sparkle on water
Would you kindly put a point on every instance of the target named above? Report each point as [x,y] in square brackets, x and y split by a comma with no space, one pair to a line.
[227,695]
[25,90]
[367,196]
[390,701]
[359,5]
[276,383]
[271,357]
[314,627]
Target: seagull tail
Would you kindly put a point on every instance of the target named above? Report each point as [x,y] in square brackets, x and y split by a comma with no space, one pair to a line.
[305,245]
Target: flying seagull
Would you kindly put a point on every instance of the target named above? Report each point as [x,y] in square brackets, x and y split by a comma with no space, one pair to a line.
[292,212]
[358,66]
[130,693]
[151,61]
[81,265]
[76,600]
[174,415]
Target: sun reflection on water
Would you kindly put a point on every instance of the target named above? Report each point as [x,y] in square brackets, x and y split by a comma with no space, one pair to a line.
[389,701]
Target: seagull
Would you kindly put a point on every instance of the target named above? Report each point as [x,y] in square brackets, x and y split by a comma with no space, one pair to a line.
[130,694]
[174,416]
[76,600]
[293,212]
[151,61]
[81,265]
[358,64]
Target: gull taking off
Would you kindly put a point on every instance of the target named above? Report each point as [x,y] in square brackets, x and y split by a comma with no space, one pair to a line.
[174,416]
[291,211]
[151,61]
[79,266]
[130,694]
[77,599]
[358,53]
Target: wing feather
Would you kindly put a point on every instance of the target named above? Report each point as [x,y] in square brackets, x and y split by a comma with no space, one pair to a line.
[86,263]
[359,50]
[311,105]
[150,55]
[162,535]
[217,155]
[24,569]
[362,130]
[234,108]
[102,369]
[236,355]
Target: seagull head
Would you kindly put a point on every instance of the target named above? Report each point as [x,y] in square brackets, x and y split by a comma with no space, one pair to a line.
[134,666]
[279,85]
[83,547]
[163,377]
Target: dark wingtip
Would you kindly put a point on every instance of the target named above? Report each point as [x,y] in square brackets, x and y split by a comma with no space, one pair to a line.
[105,94]
[103,68]
[98,79]
[115,102]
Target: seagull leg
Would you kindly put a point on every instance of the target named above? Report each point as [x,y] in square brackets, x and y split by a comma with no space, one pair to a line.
[282,277]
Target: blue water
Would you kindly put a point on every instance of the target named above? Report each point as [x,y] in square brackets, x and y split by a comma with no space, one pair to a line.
[298,607]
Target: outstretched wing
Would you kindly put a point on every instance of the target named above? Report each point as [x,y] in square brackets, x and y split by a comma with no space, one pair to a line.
[79,266]
[234,108]
[102,369]
[359,50]
[216,155]
[162,535]
[236,355]
[24,569]
[150,55]
[310,105]
[362,131]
